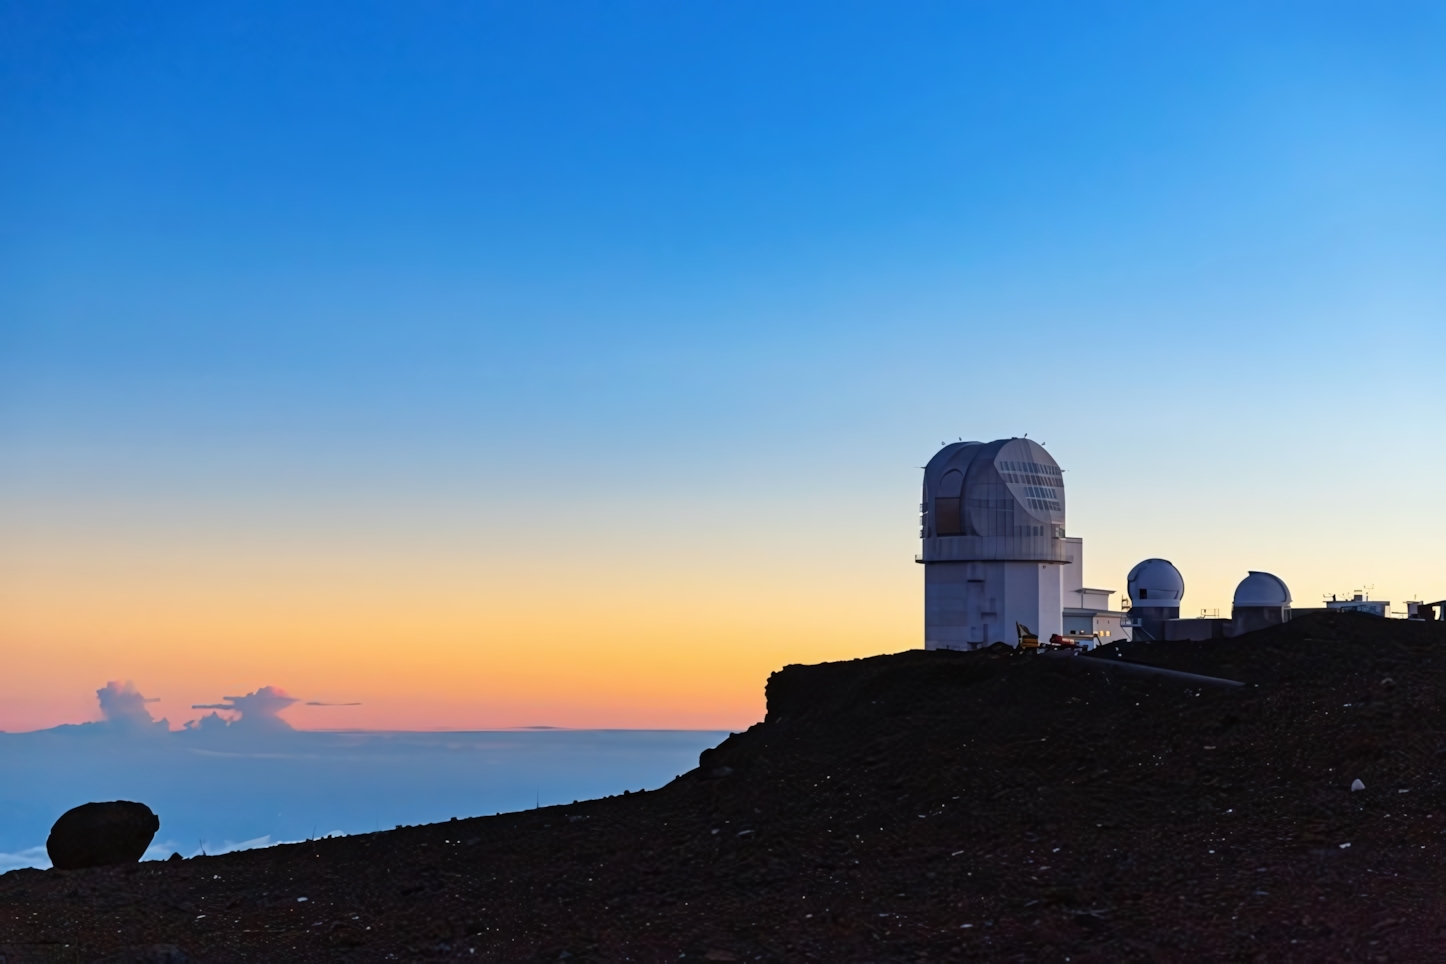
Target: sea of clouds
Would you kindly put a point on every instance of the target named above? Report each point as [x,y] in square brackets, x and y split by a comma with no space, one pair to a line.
[247,779]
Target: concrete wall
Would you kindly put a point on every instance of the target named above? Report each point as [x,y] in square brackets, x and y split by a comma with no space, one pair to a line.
[1150,620]
[1197,629]
[1110,629]
[1072,575]
[968,605]
[1247,619]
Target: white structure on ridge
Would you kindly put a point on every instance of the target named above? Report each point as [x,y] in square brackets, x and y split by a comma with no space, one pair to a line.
[1155,588]
[1361,602]
[1086,611]
[993,543]
[1261,600]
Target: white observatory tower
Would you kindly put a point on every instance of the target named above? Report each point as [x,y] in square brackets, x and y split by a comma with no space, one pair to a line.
[993,543]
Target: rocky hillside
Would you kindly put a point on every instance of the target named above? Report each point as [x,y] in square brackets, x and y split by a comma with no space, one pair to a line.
[914,807]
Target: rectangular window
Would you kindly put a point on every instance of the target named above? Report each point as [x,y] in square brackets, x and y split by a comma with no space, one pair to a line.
[947,520]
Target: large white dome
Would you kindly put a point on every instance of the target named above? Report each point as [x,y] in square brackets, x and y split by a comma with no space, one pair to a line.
[993,501]
[1262,589]
[1155,582]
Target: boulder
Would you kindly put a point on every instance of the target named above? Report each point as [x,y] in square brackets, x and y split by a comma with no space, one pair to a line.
[98,834]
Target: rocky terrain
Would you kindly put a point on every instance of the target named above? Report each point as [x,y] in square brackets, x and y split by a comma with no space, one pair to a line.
[914,807]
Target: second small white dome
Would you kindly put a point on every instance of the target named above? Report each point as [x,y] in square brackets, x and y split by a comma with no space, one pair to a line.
[1262,589]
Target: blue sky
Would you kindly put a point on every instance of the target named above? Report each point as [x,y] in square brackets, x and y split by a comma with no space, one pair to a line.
[668,278]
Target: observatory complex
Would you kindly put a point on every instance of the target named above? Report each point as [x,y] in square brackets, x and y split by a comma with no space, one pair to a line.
[995,552]
[999,566]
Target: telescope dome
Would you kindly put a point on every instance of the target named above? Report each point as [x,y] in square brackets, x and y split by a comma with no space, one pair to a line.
[1261,589]
[1155,582]
[1000,500]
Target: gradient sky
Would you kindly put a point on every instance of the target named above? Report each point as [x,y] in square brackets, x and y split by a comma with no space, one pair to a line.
[520,363]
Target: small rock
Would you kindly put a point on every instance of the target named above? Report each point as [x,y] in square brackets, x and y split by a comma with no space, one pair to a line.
[100,834]
[1357,785]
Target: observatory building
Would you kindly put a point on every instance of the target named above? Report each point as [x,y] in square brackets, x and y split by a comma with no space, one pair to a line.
[993,543]
[1261,600]
[1155,588]
[1087,611]
[998,565]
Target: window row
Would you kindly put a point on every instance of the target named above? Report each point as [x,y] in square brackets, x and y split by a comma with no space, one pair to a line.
[1033,468]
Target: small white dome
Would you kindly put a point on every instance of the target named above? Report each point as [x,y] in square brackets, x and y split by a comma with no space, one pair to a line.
[1155,582]
[1262,589]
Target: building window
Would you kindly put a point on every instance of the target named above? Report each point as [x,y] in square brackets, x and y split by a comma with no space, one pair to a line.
[948,517]
[947,521]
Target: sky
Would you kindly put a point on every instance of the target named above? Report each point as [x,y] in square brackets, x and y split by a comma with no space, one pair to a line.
[505,364]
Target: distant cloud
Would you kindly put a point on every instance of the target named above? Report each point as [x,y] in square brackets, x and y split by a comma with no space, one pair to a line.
[29,857]
[259,710]
[123,705]
[318,703]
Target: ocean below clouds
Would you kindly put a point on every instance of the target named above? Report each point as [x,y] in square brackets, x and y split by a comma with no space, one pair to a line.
[226,790]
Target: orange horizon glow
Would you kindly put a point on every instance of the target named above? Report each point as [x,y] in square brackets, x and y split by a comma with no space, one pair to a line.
[430,644]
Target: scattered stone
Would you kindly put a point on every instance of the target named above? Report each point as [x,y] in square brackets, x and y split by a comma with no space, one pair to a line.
[1357,785]
[100,834]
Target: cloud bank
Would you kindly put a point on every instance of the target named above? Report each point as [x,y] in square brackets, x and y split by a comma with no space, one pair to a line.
[259,710]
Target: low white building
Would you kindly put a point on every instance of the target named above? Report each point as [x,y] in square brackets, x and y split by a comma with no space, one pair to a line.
[1360,602]
[1087,612]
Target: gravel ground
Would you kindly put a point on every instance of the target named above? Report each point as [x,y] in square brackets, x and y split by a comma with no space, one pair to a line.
[913,807]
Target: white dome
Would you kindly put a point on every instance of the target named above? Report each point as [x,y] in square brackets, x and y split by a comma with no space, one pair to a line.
[1262,589]
[1000,500]
[1155,582]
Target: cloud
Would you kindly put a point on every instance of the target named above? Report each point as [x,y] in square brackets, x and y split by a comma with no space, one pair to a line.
[259,710]
[122,705]
[30,857]
[319,703]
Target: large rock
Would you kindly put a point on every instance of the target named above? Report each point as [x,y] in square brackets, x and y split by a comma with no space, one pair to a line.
[98,834]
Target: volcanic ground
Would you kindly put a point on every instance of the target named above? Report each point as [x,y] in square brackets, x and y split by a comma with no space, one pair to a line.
[924,806]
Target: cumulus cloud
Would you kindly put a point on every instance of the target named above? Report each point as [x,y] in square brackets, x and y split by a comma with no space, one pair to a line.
[258,710]
[123,705]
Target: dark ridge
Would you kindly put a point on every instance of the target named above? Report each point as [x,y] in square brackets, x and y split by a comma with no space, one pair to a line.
[914,807]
